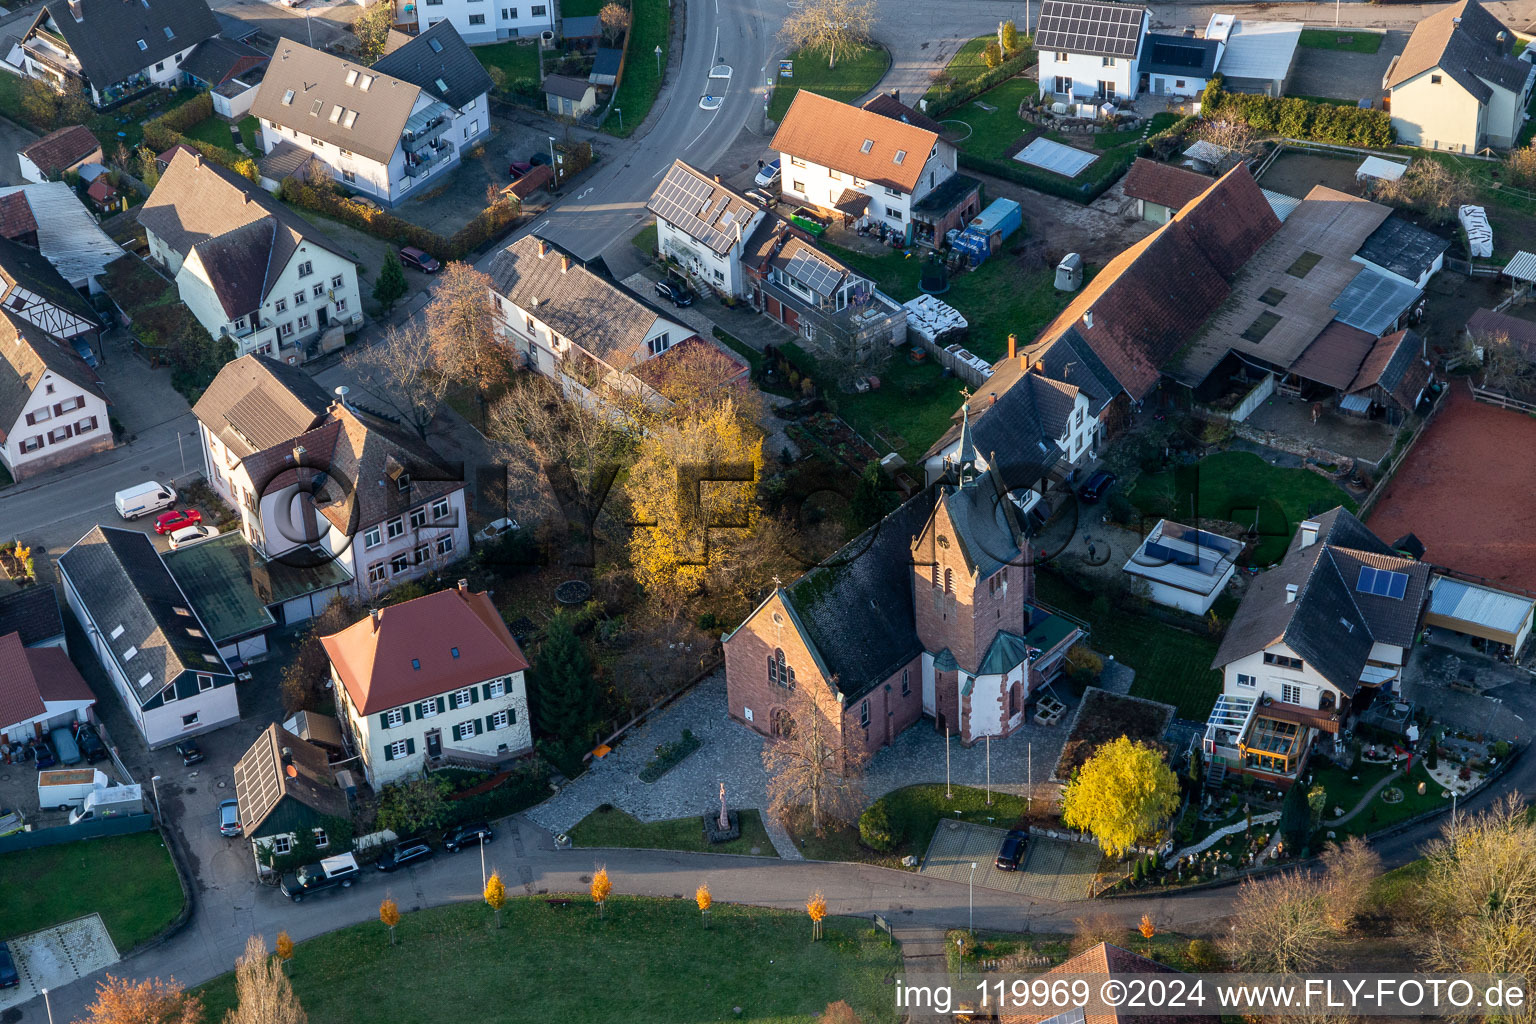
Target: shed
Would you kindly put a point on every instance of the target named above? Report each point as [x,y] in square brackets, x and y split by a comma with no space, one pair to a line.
[607,66]
[581,29]
[568,97]
[1259,55]
[1474,610]
[1403,251]
[1378,167]
[1521,267]
[1184,567]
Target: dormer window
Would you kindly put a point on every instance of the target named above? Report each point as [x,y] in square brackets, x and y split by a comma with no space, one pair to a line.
[287,100]
[901,155]
[869,144]
[142,44]
[403,482]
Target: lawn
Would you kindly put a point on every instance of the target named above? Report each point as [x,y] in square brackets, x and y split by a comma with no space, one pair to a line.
[214,131]
[847,82]
[915,813]
[1172,665]
[615,828]
[993,131]
[642,78]
[967,64]
[1344,792]
[519,61]
[1354,40]
[646,239]
[649,960]
[1240,487]
[143,898]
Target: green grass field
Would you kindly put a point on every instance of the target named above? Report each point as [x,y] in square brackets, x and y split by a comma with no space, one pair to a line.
[1352,40]
[214,131]
[847,82]
[618,829]
[993,131]
[915,813]
[642,78]
[1344,792]
[966,64]
[649,961]
[1241,487]
[519,61]
[143,898]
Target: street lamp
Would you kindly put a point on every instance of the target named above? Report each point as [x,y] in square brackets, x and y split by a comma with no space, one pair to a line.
[658,61]
[154,788]
[973,898]
[616,110]
[49,1004]
[552,166]
[482,863]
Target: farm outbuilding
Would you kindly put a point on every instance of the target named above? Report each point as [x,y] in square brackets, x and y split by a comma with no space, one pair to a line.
[1478,611]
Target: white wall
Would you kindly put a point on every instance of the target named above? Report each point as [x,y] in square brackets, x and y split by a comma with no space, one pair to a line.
[214,708]
[1505,115]
[1270,678]
[500,19]
[1176,85]
[723,272]
[1087,71]
[821,186]
[44,314]
[363,558]
[83,436]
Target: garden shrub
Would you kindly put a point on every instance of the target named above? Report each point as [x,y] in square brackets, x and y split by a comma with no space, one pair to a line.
[875,829]
[1297,118]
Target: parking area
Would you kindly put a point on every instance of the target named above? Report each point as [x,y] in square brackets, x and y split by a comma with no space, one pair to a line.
[1341,74]
[56,956]
[1053,869]
[18,790]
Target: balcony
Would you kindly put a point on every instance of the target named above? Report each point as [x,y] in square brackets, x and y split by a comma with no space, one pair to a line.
[420,163]
[51,54]
[426,126]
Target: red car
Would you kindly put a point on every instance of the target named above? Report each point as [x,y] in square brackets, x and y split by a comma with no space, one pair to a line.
[414,257]
[174,520]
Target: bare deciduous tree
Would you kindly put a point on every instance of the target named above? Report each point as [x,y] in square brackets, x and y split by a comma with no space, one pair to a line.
[837,28]
[264,993]
[1348,871]
[1231,135]
[808,763]
[1506,366]
[1520,167]
[403,371]
[461,323]
[1281,925]
[614,18]
[1432,188]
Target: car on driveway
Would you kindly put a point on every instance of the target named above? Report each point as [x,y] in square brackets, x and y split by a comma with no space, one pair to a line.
[675,292]
[9,976]
[406,851]
[170,522]
[190,752]
[332,872]
[1095,486]
[90,743]
[192,535]
[518,168]
[45,758]
[769,175]
[229,818]
[470,833]
[417,258]
[1012,851]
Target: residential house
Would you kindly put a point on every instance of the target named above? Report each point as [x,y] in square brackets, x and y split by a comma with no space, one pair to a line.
[230,72]
[1313,643]
[1256,56]
[318,480]
[103,197]
[1111,964]
[388,131]
[52,407]
[950,205]
[476,22]
[49,217]
[1179,65]
[40,689]
[568,97]
[64,150]
[854,162]
[113,49]
[284,786]
[704,226]
[1183,567]
[31,289]
[33,612]
[1091,50]
[151,643]
[1458,84]
[246,265]
[931,613]
[1161,190]
[582,330]
[432,681]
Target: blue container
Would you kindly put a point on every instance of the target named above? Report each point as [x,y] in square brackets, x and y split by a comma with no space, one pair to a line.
[1001,218]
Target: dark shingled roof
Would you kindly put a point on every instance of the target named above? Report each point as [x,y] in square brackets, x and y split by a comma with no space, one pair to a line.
[256,402]
[1179,55]
[106,38]
[34,613]
[856,610]
[25,266]
[1163,184]
[122,582]
[1396,364]
[1016,435]
[63,148]
[1485,323]
[887,105]
[1330,625]
[986,523]
[565,86]
[587,27]
[1403,248]
[1462,40]
[438,55]
[607,61]
[217,60]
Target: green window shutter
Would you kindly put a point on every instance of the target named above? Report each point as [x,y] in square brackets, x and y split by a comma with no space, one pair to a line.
[511,716]
[486,691]
[474,695]
[384,720]
[410,747]
[489,725]
[418,711]
[389,751]
[440,703]
[405,714]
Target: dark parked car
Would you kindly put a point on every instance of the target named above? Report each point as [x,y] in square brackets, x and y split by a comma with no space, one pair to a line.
[1096,485]
[9,978]
[675,292]
[518,168]
[190,752]
[44,754]
[406,851]
[469,834]
[340,871]
[90,743]
[414,257]
[229,818]
[1012,851]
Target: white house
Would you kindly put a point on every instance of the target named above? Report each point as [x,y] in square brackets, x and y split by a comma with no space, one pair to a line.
[151,643]
[67,149]
[1177,65]
[315,478]
[388,131]
[245,264]
[1334,621]
[114,49]
[479,21]
[52,407]
[1458,84]
[705,225]
[581,330]
[857,162]
[1091,49]
[435,680]
[1183,567]
[44,691]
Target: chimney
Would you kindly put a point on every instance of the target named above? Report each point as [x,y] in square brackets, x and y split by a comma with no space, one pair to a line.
[375,613]
[543,248]
[896,95]
[298,454]
[198,156]
[1039,368]
[1290,593]
[247,197]
[994,398]
[1013,345]
[463,586]
[717,179]
[1088,318]
[287,755]
[1309,533]
[565,264]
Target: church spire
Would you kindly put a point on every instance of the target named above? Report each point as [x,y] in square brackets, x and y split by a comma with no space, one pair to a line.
[966,457]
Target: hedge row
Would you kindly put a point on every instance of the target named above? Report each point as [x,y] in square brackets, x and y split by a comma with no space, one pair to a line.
[1093,182]
[490,223]
[1296,118]
[948,99]
[166,131]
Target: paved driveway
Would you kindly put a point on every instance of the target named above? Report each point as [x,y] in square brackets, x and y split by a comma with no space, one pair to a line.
[1053,869]
[1343,75]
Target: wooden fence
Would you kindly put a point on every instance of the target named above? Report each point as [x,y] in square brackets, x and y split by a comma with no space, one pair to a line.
[1502,401]
[1394,462]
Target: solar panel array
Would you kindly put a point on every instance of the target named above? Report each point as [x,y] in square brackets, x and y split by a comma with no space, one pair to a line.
[684,200]
[1382,582]
[819,276]
[1173,556]
[1174,55]
[1110,30]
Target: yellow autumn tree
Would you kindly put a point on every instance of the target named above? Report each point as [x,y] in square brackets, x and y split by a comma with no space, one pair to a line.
[1147,929]
[389,916]
[695,483]
[816,909]
[601,887]
[1123,793]
[284,948]
[702,897]
[496,894]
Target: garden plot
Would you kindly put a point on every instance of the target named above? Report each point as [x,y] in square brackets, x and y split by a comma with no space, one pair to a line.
[1067,161]
[54,957]
[1053,869]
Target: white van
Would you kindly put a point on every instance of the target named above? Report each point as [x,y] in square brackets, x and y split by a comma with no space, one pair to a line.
[142,499]
[191,535]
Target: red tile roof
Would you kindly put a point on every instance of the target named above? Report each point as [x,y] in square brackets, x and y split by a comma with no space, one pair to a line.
[57,677]
[1163,184]
[1107,961]
[63,149]
[16,217]
[376,658]
[832,134]
[30,676]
